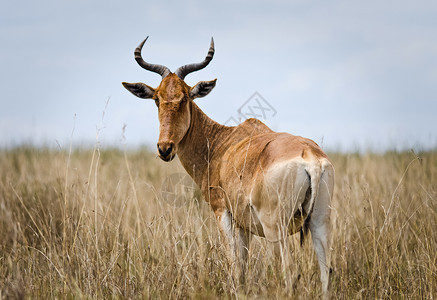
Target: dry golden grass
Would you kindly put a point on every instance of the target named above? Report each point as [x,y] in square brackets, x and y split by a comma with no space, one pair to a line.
[93,224]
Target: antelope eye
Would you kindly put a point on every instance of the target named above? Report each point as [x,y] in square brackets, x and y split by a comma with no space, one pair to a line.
[182,99]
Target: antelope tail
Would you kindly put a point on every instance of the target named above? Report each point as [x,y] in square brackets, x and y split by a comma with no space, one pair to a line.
[314,172]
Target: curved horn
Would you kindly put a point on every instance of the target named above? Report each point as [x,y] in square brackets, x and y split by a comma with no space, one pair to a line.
[162,70]
[187,69]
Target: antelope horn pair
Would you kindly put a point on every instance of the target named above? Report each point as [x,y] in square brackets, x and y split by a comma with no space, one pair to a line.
[181,72]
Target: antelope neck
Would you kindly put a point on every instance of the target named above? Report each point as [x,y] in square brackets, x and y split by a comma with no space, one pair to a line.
[198,146]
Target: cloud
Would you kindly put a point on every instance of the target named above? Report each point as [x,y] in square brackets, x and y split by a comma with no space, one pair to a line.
[364,67]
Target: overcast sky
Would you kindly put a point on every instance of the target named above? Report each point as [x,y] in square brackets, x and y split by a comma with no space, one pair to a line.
[347,74]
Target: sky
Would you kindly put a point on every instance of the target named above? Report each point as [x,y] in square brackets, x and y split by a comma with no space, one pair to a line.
[351,75]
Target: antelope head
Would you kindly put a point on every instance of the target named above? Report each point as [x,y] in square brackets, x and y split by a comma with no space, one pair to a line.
[173,97]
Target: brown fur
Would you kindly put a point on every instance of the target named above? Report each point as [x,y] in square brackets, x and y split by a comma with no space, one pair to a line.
[257,181]
[228,163]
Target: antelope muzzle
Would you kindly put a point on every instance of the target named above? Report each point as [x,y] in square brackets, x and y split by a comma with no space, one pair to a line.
[166,150]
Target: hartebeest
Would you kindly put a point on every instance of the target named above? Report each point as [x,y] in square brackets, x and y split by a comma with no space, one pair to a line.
[257,181]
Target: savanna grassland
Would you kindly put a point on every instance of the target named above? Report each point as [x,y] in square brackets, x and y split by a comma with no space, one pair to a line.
[95,224]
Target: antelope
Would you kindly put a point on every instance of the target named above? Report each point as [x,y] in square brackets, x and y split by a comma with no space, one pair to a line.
[257,181]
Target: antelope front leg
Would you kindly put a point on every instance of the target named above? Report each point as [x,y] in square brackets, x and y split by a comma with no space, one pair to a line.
[243,238]
[238,241]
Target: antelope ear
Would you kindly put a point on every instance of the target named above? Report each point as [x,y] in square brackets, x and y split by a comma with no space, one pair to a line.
[202,88]
[139,89]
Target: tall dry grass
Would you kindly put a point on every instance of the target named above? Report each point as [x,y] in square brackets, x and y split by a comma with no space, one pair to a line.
[93,224]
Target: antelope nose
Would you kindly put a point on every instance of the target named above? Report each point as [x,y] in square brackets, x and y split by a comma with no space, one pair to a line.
[165,149]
